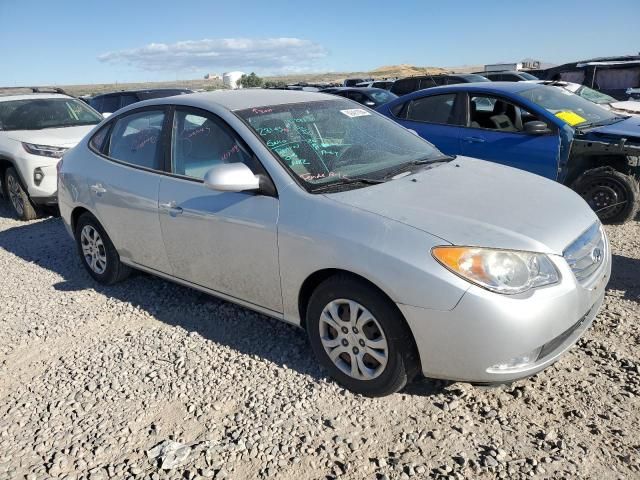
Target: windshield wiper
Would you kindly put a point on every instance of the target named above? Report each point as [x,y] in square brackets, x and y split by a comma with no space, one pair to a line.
[348,181]
[420,161]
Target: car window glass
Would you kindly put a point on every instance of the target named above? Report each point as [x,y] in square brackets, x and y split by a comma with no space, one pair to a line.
[575,76]
[404,86]
[128,99]
[97,103]
[357,96]
[434,109]
[494,113]
[437,81]
[97,141]
[618,78]
[200,142]
[135,139]
[111,103]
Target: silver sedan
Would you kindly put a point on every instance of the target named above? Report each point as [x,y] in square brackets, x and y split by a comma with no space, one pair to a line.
[396,259]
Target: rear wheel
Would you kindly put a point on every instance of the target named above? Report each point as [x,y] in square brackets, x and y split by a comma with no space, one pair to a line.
[360,337]
[18,197]
[98,254]
[614,196]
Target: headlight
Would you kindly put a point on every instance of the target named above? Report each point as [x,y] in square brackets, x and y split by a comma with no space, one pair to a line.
[44,150]
[501,271]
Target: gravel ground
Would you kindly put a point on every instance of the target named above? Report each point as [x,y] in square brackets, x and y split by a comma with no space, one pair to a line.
[148,379]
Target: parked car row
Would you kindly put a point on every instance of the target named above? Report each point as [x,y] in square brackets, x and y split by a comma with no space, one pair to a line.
[391,241]
[537,128]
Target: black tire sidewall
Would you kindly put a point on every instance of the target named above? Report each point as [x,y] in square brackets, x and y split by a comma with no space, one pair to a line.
[29,211]
[395,376]
[629,184]
[111,273]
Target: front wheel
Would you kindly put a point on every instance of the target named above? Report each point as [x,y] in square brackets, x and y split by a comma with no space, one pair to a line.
[19,198]
[360,337]
[614,196]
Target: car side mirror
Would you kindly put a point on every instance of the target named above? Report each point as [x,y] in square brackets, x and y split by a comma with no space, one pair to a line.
[536,127]
[231,177]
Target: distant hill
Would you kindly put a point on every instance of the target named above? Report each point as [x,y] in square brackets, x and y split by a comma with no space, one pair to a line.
[386,71]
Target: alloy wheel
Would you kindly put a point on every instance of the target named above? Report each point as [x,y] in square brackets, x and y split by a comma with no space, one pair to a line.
[353,339]
[15,194]
[93,249]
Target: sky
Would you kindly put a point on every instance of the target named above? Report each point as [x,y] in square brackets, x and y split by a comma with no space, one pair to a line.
[79,42]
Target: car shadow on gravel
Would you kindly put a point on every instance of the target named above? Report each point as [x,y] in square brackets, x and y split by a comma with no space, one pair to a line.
[625,277]
[47,244]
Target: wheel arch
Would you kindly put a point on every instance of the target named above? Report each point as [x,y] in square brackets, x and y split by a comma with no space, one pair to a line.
[75,215]
[316,278]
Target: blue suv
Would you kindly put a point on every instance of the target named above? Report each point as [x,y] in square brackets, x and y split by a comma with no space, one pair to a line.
[537,128]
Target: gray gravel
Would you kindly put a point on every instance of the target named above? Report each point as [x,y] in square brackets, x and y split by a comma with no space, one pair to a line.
[150,380]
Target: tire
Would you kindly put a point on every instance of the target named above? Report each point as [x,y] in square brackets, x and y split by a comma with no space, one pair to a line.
[614,196]
[18,197]
[386,326]
[97,252]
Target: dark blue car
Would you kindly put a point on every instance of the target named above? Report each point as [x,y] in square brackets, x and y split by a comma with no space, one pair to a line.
[537,128]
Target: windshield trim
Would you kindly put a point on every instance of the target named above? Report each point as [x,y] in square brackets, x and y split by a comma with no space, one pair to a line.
[308,186]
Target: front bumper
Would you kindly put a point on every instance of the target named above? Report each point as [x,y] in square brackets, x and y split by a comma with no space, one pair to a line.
[486,329]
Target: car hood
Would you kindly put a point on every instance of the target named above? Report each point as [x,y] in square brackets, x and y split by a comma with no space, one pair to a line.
[625,128]
[55,137]
[477,203]
[629,106]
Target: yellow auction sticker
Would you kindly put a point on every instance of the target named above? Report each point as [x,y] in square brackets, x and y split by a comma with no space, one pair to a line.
[571,118]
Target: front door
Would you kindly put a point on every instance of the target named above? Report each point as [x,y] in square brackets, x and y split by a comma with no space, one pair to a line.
[224,241]
[496,132]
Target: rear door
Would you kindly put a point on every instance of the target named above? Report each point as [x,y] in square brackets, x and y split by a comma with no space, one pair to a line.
[495,132]
[224,241]
[124,184]
[436,118]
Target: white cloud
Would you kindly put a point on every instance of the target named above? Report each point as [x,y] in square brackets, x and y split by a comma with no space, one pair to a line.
[268,55]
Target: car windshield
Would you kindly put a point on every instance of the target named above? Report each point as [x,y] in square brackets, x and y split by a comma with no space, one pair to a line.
[527,76]
[594,96]
[382,97]
[332,141]
[41,113]
[472,77]
[571,108]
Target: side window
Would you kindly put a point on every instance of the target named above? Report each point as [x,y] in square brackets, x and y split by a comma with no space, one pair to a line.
[135,139]
[441,80]
[97,141]
[454,80]
[111,103]
[433,109]
[128,99]
[404,86]
[200,141]
[427,83]
[357,96]
[97,103]
[495,113]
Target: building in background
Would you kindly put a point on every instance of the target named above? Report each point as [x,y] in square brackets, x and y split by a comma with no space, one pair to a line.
[212,76]
[231,79]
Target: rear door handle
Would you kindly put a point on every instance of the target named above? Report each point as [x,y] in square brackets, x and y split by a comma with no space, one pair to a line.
[98,189]
[171,207]
[474,139]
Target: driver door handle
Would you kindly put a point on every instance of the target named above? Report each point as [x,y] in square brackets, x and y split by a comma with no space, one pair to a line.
[171,207]
[98,189]
[474,139]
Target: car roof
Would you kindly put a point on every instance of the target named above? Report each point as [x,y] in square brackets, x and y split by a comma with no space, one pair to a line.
[496,87]
[32,96]
[242,98]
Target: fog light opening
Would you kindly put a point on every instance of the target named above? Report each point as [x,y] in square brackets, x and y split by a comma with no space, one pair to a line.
[38,175]
[516,363]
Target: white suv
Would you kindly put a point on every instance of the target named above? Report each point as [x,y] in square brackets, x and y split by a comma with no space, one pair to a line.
[35,131]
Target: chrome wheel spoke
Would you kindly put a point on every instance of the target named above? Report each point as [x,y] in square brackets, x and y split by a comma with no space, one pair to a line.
[93,249]
[356,335]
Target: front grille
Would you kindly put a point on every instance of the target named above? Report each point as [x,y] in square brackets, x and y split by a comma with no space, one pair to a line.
[550,347]
[587,253]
